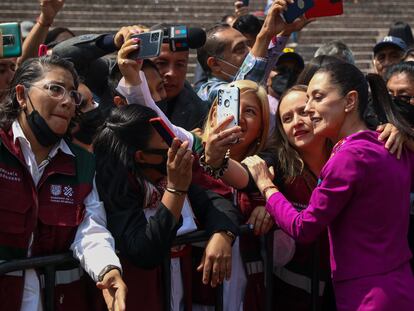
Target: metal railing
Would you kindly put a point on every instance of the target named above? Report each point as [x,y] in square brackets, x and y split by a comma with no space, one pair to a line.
[50,264]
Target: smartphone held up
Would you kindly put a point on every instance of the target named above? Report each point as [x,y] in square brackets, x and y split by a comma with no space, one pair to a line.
[150,45]
[10,40]
[228,104]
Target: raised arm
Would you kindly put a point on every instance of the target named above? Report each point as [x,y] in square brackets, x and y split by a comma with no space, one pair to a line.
[48,11]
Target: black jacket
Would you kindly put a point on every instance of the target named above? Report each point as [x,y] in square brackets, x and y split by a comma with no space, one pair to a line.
[186,110]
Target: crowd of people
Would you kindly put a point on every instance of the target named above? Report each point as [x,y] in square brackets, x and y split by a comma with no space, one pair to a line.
[321,159]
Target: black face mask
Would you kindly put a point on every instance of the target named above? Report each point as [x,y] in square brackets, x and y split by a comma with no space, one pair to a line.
[89,123]
[41,130]
[405,109]
[160,167]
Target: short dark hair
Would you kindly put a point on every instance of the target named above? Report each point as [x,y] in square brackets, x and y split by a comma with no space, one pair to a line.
[403,67]
[248,24]
[31,71]
[212,47]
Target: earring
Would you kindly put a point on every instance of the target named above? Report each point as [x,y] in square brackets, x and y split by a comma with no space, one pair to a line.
[346,110]
[258,142]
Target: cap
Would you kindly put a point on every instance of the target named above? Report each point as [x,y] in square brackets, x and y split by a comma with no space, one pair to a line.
[289,53]
[390,41]
[26,27]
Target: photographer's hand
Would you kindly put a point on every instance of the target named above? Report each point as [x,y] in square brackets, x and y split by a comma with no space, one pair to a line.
[272,25]
[130,68]
[124,33]
[240,9]
[49,10]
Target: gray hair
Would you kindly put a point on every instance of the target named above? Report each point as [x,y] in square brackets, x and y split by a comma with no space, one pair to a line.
[338,49]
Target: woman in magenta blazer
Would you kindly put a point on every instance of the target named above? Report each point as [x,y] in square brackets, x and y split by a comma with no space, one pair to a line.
[362,195]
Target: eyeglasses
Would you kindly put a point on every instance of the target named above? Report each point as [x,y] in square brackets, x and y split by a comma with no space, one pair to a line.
[404,98]
[59,92]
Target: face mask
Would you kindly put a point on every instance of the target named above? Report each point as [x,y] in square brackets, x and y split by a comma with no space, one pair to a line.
[41,130]
[88,125]
[160,167]
[231,77]
[405,109]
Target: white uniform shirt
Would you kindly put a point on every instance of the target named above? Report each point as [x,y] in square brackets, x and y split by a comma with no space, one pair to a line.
[93,245]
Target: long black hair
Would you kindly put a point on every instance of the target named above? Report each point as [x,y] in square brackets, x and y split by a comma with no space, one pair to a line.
[31,71]
[126,130]
[349,78]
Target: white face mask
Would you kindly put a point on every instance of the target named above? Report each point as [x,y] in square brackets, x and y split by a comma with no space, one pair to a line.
[231,77]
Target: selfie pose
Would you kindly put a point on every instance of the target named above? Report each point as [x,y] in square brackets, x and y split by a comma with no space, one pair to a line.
[356,188]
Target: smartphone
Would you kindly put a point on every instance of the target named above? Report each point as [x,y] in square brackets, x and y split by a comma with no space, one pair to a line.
[150,45]
[162,128]
[10,40]
[325,8]
[228,103]
[245,2]
[297,9]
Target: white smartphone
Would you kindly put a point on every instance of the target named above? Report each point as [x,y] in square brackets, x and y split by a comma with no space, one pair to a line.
[228,104]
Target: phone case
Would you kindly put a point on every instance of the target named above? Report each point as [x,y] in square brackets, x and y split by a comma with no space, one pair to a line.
[150,45]
[297,9]
[162,128]
[11,40]
[228,104]
[325,8]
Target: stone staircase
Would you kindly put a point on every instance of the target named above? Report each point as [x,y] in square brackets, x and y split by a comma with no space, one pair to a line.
[360,27]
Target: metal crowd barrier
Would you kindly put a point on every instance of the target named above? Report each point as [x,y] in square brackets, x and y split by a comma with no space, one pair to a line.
[49,264]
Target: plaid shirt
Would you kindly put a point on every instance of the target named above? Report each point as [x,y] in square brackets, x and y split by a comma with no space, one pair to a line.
[256,69]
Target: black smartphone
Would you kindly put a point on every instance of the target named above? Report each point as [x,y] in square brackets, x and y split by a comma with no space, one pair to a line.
[162,128]
[245,2]
[150,45]
[297,9]
[10,40]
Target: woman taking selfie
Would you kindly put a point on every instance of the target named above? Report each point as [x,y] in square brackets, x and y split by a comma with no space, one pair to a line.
[368,242]
[150,199]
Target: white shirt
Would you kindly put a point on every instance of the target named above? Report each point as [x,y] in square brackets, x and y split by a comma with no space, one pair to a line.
[93,245]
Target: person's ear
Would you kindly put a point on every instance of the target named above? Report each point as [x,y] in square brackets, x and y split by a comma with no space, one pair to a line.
[119,101]
[21,96]
[351,101]
[139,157]
[213,65]
[213,116]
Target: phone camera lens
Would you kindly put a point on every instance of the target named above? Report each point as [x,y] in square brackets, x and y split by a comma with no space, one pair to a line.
[227,103]
[155,36]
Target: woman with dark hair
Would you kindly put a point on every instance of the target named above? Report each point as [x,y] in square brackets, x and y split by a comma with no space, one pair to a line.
[314,65]
[51,184]
[147,189]
[356,187]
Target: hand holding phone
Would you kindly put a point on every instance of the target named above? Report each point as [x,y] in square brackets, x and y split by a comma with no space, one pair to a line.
[10,40]
[228,103]
[297,9]
[150,45]
[162,128]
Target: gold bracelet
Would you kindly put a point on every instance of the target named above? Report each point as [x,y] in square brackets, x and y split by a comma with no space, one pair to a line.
[175,191]
[267,189]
